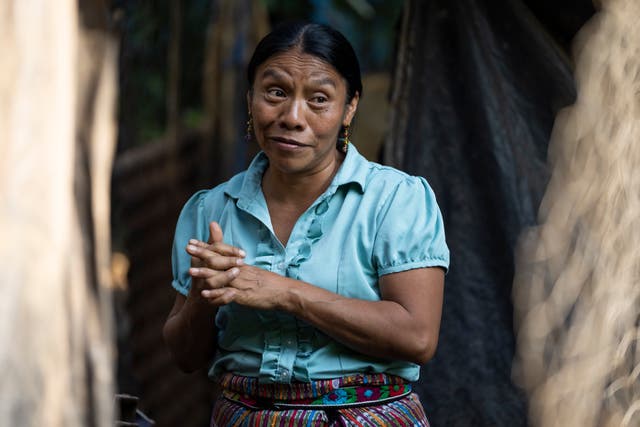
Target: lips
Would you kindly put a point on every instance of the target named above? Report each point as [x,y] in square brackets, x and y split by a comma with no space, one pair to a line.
[287,142]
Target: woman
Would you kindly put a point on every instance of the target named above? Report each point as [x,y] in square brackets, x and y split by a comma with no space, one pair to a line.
[312,282]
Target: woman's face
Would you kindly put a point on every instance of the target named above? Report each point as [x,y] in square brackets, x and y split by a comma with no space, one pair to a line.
[298,104]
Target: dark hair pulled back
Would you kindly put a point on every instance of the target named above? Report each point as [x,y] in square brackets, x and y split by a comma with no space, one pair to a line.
[318,40]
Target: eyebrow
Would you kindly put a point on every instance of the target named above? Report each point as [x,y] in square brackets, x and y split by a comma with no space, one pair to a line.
[318,81]
[321,81]
[270,72]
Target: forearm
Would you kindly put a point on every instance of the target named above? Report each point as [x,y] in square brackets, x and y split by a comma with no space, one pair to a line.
[190,334]
[382,329]
[402,325]
[190,331]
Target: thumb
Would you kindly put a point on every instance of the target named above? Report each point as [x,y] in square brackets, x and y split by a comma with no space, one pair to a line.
[215,233]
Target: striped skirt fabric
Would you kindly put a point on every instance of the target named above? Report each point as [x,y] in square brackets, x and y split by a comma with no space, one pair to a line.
[231,411]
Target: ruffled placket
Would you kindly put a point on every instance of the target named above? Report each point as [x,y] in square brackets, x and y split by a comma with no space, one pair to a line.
[305,331]
[314,233]
[288,340]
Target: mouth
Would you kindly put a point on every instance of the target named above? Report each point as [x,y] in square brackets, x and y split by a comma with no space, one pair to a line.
[287,142]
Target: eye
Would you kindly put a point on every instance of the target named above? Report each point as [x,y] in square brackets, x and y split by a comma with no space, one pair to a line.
[320,99]
[275,92]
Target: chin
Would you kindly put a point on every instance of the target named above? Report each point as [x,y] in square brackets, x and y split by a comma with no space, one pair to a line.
[288,166]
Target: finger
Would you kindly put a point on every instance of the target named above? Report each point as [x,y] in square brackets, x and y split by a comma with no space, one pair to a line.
[216,238]
[222,296]
[215,233]
[199,243]
[204,251]
[216,279]
[211,278]
[196,262]
[221,248]
[202,272]
[213,259]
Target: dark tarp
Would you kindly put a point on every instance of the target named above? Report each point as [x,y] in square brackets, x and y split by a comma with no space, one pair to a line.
[476,89]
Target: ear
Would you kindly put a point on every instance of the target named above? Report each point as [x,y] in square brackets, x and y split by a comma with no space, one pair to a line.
[350,112]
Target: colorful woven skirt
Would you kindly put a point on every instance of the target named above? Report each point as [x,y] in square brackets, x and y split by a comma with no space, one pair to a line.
[359,400]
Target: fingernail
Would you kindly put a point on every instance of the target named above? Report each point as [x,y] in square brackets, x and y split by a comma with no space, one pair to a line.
[191,247]
[242,253]
[205,294]
[239,261]
[234,272]
[193,241]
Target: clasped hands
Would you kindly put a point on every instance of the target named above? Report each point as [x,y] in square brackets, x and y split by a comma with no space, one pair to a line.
[220,276]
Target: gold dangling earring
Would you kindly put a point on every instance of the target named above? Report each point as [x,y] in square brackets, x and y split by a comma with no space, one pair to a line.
[345,139]
[249,133]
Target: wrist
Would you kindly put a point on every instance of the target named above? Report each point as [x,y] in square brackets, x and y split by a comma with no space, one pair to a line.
[290,299]
[198,307]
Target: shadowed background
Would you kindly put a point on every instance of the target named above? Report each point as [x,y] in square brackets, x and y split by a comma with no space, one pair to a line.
[463,93]
[522,114]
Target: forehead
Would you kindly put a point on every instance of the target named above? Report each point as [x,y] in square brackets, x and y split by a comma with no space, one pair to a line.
[298,65]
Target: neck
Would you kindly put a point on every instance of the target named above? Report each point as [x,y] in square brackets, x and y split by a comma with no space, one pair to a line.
[299,189]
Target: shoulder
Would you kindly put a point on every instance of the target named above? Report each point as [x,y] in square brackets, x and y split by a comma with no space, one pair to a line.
[381,186]
[410,229]
[396,196]
[386,182]
[370,176]
[212,198]
[386,174]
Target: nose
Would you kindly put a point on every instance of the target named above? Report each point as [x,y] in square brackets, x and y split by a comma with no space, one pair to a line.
[292,117]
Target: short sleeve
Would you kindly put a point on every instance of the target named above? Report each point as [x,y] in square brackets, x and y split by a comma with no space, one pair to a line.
[410,232]
[192,224]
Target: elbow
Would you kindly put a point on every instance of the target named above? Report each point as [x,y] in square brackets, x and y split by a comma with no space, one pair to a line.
[425,349]
[185,364]
[424,356]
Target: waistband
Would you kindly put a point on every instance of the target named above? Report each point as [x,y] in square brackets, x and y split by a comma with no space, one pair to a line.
[348,391]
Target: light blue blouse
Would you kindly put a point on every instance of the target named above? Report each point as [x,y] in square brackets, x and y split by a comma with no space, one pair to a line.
[371,221]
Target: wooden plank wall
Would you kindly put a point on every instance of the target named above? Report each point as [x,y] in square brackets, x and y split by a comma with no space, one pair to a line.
[146,205]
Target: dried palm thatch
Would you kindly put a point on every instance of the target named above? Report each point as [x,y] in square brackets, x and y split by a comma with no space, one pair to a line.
[577,285]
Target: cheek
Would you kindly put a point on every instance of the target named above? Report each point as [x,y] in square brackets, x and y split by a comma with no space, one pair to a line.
[261,114]
[262,120]
[325,121]
[328,126]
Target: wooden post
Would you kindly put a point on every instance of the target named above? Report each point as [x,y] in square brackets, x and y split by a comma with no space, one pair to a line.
[57,92]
